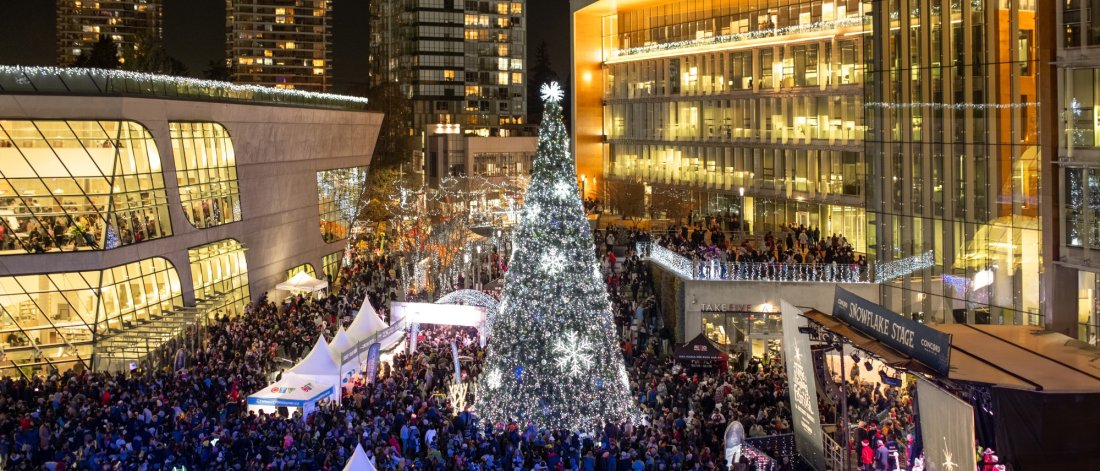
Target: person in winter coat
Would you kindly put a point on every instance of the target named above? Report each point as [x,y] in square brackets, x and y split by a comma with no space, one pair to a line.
[866,455]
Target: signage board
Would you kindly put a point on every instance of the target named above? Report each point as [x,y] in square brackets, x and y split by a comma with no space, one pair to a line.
[808,437]
[927,345]
[373,354]
[947,429]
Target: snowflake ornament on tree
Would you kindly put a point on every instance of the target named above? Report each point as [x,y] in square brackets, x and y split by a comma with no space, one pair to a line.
[493,379]
[551,92]
[573,354]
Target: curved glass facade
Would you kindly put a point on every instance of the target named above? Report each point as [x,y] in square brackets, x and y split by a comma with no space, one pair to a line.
[338,194]
[206,171]
[219,273]
[79,185]
[305,267]
[52,319]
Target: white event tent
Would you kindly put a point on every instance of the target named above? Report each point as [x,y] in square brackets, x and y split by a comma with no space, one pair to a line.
[340,344]
[319,366]
[302,283]
[359,461]
[366,323]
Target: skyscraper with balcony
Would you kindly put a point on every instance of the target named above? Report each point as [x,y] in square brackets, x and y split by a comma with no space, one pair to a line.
[80,24]
[909,126]
[461,61]
[280,43]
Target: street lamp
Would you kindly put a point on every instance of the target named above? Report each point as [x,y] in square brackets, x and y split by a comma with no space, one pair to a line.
[478,267]
[741,223]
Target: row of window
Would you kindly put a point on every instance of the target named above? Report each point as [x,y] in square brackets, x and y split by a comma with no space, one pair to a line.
[95,185]
[812,172]
[822,63]
[54,321]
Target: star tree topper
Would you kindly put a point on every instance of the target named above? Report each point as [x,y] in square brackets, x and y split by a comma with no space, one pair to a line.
[551,92]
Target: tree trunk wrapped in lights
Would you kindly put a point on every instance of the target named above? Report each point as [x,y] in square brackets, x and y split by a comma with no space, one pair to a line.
[553,357]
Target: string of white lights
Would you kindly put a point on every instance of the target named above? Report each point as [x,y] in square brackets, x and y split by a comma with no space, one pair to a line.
[952,106]
[27,76]
[895,269]
[757,34]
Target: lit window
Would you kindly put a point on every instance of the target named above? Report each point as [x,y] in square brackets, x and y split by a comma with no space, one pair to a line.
[517,78]
[338,195]
[318,62]
[206,172]
[85,185]
[502,8]
[502,78]
[219,271]
[448,75]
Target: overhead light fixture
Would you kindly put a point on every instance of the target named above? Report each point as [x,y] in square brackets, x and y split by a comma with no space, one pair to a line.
[855,357]
[867,364]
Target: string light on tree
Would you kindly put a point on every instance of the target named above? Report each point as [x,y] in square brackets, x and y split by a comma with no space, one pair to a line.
[555,327]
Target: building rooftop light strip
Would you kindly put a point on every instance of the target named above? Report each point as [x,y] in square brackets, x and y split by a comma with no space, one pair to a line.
[81,81]
[716,42]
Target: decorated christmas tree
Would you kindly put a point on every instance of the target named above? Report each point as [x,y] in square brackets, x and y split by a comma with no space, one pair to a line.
[553,358]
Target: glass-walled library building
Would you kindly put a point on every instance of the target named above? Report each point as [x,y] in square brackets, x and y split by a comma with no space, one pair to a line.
[122,232]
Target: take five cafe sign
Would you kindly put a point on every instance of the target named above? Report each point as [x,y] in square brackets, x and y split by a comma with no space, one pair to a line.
[927,345]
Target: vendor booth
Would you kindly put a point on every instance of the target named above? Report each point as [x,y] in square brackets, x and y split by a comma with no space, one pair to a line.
[318,366]
[700,352]
[293,392]
[302,282]
[1031,395]
[367,324]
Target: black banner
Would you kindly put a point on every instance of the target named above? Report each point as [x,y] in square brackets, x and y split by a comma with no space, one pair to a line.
[927,345]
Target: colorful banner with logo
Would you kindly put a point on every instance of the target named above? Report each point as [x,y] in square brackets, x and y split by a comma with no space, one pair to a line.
[808,437]
[947,429]
[927,345]
[371,370]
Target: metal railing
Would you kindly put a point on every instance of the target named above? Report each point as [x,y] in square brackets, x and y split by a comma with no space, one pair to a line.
[753,271]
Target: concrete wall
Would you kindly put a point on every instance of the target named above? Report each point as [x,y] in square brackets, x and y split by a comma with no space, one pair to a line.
[279,151]
[682,301]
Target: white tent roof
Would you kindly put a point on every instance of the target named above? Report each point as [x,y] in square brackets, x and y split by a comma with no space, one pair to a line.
[366,323]
[318,362]
[359,461]
[291,391]
[340,344]
[302,282]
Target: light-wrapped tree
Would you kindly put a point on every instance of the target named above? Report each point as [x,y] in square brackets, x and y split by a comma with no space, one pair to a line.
[553,358]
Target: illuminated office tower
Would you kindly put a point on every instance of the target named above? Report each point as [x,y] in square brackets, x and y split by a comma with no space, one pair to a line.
[909,126]
[712,97]
[462,61]
[1073,283]
[280,43]
[80,24]
[954,159]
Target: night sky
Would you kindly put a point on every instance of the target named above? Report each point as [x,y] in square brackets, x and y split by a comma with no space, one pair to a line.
[194,32]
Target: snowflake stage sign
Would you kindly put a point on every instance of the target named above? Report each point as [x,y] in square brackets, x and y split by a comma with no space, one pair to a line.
[553,357]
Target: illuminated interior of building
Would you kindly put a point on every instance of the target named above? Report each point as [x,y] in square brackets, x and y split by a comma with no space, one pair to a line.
[206,172]
[79,185]
[52,319]
[219,273]
[338,195]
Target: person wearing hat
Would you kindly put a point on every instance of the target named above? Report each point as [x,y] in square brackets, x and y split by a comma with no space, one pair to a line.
[866,455]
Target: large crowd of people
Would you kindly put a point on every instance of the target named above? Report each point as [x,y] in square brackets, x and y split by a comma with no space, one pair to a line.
[792,244]
[191,413]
